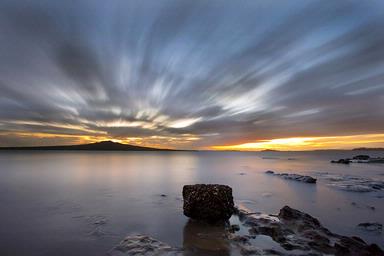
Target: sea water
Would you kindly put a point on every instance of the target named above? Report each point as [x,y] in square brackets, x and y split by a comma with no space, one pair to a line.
[84,203]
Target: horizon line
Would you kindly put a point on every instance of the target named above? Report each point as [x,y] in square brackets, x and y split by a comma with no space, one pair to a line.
[48,147]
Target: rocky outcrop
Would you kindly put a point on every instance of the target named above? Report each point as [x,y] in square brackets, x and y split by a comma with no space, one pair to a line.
[208,202]
[359,159]
[141,245]
[295,230]
[293,176]
[341,161]
[290,232]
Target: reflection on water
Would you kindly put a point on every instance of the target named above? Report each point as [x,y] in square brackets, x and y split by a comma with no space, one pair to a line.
[48,199]
[202,239]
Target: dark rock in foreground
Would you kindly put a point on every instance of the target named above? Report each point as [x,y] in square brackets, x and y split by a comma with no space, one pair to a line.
[293,176]
[295,230]
[144,246]
[208,202]
[296,233]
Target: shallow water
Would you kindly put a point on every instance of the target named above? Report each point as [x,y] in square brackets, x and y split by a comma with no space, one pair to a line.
[83,203]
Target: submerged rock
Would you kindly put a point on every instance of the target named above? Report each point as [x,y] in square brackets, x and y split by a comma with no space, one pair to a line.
[352,183]
[371,226]
[293,176]
[233,228]
[341,161]
[208,202]
[289,214]
[370,207]
[359,159]
[143,245]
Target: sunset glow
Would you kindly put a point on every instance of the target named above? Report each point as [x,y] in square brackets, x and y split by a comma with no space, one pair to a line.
[287,75]
[310,143]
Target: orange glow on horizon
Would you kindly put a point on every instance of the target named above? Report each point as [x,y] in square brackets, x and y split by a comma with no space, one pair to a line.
[184,141]
[310,143]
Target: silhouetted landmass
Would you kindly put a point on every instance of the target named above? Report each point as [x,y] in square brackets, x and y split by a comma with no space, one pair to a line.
[270,150]
[98,146]
[369,149]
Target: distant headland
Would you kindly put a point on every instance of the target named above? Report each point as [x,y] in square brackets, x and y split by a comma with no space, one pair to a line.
[98,146]
[115,146]
[368,149]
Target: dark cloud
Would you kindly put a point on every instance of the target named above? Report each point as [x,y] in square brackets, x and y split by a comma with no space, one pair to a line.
[224,72]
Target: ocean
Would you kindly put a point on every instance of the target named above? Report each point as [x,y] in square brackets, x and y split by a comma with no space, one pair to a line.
[84,203]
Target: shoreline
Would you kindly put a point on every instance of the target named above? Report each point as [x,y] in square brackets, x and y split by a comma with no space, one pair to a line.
[291,232]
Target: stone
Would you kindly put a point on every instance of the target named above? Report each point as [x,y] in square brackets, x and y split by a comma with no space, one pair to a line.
[233,228]
[208,202]
[289,214]
[361,157]
[371,226]
[142,245]
[293,176]
[341,161]
[296,230]
[251,250]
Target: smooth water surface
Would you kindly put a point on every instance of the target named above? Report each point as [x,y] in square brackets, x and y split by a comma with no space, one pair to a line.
[84,203]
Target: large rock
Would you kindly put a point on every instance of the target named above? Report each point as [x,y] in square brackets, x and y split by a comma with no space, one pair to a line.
[208,202]
[135,245]
[294,176]
[296,230]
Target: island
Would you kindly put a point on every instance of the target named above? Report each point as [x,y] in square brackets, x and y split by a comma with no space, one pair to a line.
[98,146]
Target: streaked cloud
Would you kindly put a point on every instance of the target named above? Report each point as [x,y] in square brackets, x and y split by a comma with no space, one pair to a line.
[190,74]
[182,123]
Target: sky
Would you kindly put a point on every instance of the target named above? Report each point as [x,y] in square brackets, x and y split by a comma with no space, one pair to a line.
[244,75]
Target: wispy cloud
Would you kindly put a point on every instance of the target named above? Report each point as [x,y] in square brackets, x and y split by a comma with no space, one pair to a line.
[173,72]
